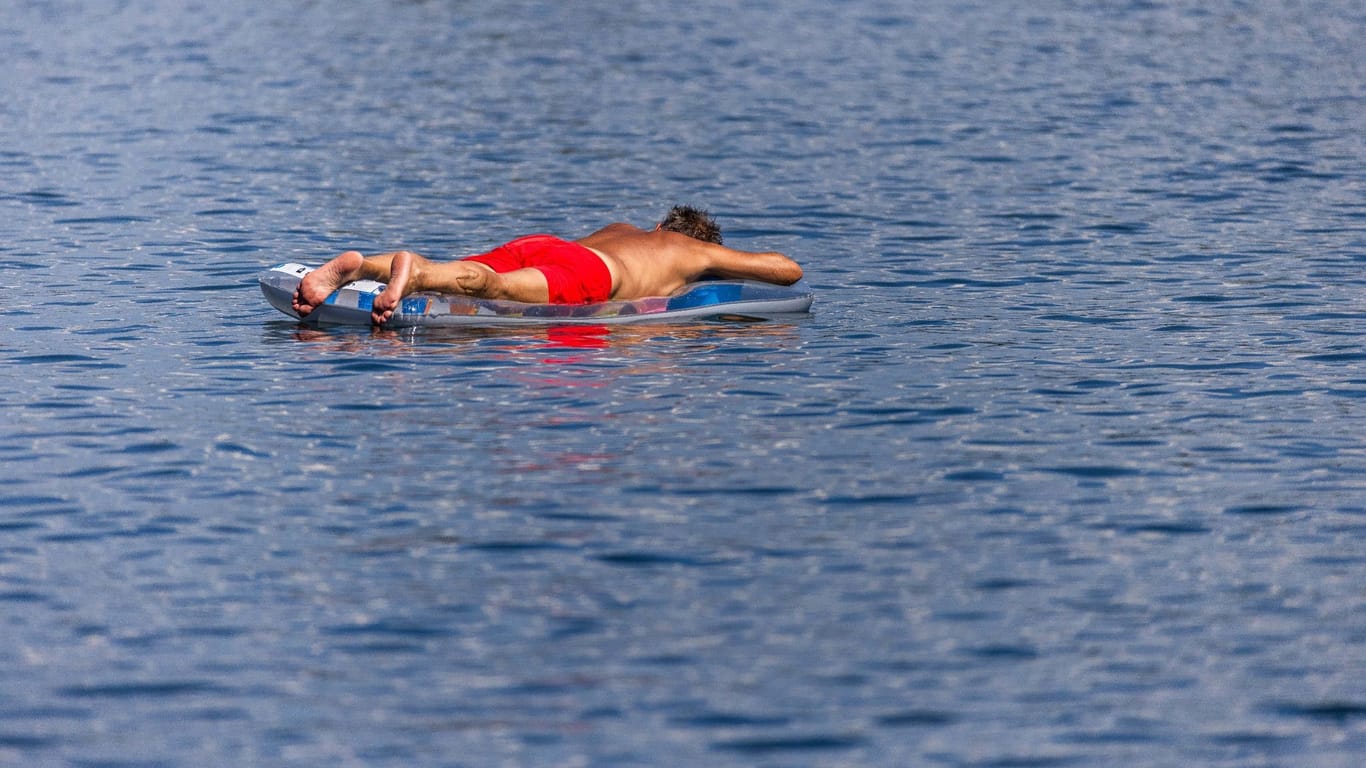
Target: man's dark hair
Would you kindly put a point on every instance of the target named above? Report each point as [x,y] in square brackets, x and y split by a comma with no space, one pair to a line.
[693,222]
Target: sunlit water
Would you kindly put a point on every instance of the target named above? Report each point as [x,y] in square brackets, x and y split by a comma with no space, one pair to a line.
[1067,467]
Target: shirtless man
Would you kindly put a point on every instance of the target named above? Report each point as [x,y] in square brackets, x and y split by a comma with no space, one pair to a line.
[618,261]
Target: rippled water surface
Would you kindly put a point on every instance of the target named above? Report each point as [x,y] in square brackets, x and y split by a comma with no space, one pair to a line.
[1067,467]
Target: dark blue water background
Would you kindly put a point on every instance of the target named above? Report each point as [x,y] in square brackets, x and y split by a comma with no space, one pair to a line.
[1068,467]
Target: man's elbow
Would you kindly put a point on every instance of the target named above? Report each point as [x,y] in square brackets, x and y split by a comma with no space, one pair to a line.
[789,271]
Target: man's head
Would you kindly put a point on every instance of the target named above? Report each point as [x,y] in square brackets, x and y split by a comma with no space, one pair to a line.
[694,223]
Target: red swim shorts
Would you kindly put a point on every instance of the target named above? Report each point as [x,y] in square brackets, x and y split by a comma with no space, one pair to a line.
[574,274]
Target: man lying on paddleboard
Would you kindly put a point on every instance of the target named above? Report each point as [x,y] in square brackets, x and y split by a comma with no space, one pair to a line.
[617,262]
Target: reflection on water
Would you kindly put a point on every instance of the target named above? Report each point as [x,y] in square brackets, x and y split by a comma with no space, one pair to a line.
[1066,468]
[382,342]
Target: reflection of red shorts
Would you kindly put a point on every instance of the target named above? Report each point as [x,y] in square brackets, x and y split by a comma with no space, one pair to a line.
[574,274]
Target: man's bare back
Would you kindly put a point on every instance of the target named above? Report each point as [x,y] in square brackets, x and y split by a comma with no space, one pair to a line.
[658,262]
[641,263]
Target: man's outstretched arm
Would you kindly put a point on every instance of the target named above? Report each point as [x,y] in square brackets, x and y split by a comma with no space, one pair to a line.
[768,266]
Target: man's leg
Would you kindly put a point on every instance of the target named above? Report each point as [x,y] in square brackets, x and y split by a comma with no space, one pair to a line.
[410,273]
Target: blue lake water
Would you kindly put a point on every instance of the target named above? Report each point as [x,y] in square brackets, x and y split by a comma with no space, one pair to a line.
[1067,466]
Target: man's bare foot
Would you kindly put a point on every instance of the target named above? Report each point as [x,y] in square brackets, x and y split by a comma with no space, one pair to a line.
[317,285]
[401,272]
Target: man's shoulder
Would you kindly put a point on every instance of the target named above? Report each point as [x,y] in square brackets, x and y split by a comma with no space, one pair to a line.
[618,228]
